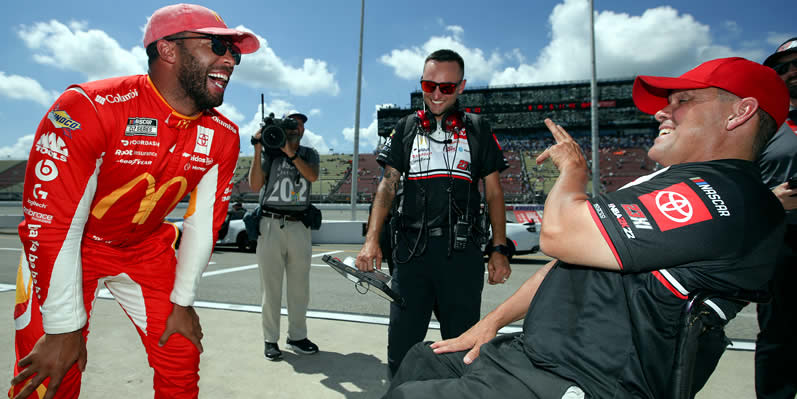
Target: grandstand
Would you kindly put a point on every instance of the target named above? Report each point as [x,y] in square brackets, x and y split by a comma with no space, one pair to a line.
[516,114]
[12,177]
[367,182]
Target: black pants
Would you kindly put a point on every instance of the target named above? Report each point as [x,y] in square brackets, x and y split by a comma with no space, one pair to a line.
[776,346]
[453,285]
[501,371]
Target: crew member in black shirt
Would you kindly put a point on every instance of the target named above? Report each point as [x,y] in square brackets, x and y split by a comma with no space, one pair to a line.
[604,317]
[442,153]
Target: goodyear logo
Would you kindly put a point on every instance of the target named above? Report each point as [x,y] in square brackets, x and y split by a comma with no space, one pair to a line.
[61,119]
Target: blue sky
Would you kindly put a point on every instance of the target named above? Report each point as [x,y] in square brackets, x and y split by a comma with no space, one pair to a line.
[308,55]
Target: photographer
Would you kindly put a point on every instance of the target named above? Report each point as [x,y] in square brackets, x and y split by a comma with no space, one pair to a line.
[283,172]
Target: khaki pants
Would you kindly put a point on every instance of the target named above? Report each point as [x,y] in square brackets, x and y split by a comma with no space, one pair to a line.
[284,250]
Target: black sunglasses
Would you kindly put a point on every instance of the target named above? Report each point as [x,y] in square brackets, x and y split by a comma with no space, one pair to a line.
[783,67]
[446,88]
[218,46]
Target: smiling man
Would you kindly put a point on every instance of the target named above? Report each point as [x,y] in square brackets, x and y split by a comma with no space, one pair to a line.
[601,320]
[111,160]
[439,154]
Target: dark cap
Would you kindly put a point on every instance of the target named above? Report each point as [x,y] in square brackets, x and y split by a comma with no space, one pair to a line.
[788,47]
[298,115]
[739,76]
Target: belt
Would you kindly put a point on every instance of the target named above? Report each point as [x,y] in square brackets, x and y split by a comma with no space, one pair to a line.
[433,231]
[279,216]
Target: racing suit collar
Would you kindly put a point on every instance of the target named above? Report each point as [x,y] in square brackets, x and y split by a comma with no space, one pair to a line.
[176,119]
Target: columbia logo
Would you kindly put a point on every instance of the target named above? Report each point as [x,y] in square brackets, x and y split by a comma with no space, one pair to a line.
[100,99]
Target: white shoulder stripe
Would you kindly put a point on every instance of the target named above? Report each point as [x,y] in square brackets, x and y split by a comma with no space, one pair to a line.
[644,178]
[83,93]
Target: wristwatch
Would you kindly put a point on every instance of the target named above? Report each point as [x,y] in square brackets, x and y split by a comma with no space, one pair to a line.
[295,155]
[254,140]
[502,249]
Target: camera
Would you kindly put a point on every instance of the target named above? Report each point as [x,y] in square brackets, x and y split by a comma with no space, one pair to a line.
[273,133]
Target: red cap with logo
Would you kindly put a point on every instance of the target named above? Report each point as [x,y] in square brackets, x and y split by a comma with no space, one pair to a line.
[178,18]
[739,76]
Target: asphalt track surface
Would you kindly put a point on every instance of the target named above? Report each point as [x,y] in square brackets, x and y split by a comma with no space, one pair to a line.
[232,281]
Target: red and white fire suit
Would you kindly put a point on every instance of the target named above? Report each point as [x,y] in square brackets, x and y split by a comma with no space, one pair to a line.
[110,161]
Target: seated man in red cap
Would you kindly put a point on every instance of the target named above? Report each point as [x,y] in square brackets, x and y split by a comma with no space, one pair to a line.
[601,320]
[111,160]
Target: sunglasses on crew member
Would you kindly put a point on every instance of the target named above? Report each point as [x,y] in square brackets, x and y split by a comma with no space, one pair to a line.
[447,88]
[218,46]
[783,67]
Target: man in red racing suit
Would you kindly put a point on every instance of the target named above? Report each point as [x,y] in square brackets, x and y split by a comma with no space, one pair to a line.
[110,161]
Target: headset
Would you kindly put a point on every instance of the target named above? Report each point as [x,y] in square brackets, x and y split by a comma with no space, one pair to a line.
[453,120]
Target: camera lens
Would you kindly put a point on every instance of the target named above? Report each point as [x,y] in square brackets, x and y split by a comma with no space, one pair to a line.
[273,137]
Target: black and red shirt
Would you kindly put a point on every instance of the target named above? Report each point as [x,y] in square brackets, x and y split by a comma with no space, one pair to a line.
[440,162]
[708,225]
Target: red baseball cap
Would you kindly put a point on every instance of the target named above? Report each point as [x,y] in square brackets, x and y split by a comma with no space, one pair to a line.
[178,18]
[739,76]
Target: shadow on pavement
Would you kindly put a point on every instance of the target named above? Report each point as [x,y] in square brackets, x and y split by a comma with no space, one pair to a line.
[354,375]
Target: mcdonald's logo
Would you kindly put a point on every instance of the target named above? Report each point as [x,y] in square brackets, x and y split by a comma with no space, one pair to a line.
[218,18]
[148,203]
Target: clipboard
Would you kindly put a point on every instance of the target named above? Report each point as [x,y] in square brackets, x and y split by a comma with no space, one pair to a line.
[375,281]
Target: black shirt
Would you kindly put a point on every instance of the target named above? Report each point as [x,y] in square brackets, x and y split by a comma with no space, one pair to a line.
[435,167]
[710,225]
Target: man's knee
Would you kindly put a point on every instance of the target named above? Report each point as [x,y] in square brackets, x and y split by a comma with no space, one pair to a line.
[420,351]
[400,392]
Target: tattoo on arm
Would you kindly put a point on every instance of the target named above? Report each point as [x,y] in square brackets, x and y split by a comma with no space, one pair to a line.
[387,188]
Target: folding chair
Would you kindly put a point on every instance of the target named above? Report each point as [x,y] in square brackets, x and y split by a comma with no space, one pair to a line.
[697,337]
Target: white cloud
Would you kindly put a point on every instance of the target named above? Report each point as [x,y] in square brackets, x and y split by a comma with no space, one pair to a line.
[408,63]
[264,69]
[314,112]
[231,112]
[659,42]
[18,150]
[369,136]
[775,39]
[337,147]
[316,141]
[457,31]
[25,88]
[278,107]
[73,47]
[732,27]
[92,52]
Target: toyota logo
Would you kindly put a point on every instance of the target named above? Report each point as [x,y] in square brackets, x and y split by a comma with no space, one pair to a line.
[202,139]
[674,206]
